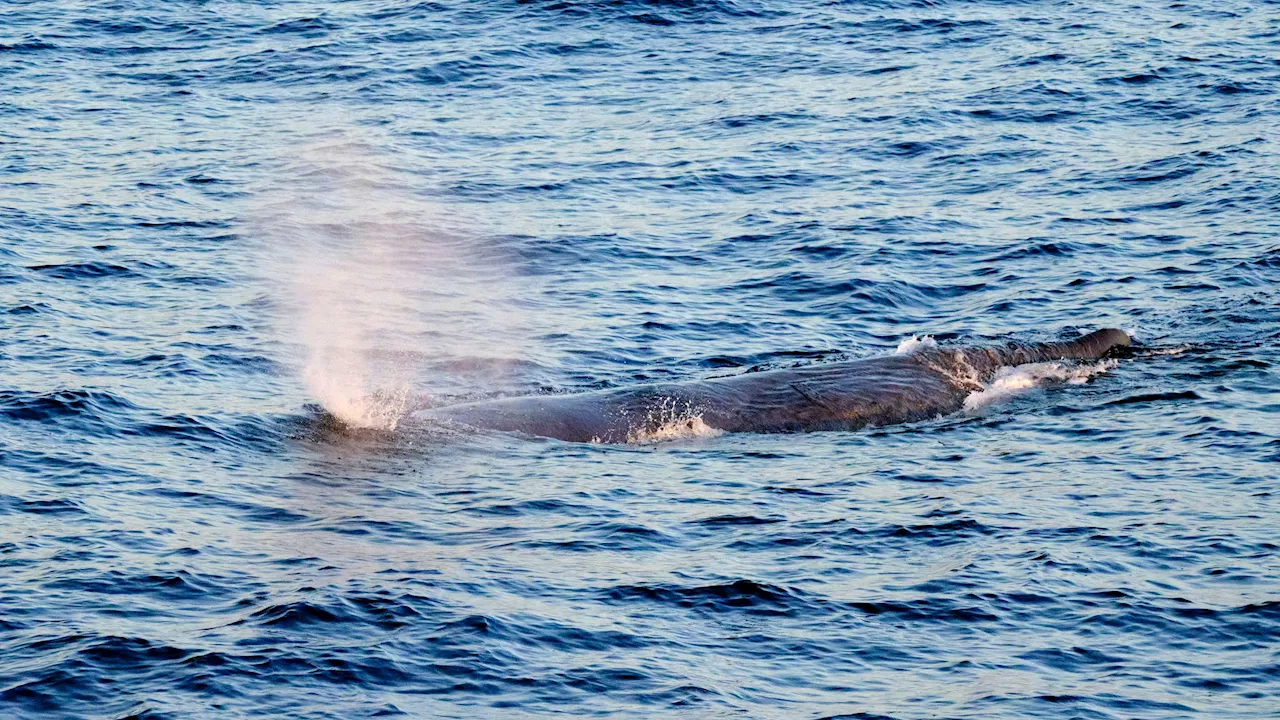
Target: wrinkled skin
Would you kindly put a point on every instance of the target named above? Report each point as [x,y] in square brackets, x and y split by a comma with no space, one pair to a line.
[833,396]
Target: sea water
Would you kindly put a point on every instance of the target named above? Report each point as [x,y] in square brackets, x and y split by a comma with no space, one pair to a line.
[243,241]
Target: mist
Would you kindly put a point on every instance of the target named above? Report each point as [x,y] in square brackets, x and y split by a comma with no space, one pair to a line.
[378,290]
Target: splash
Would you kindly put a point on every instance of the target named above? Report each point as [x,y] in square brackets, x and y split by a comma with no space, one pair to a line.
[683,429]
[1010,382]
[671,420]
[916,344]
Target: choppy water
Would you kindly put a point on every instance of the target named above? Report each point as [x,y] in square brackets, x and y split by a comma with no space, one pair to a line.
[219,216]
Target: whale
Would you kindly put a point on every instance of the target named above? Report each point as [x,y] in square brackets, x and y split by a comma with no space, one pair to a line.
[848,395]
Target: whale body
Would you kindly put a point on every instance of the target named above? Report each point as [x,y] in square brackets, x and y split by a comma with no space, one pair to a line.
[832,396]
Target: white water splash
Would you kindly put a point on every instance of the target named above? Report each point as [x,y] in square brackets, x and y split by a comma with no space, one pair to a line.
[671,420]
[916,344]
[1010,382]
[683,429]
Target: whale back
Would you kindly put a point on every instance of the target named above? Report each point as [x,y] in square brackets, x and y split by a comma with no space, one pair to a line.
[843,395]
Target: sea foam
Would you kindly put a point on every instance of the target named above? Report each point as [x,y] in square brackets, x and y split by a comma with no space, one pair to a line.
[1010,382]
[916,344]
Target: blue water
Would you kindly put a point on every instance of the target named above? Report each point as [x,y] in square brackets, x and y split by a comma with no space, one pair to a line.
[243,242]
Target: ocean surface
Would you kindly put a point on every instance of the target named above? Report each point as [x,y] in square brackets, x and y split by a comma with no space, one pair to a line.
[241,243]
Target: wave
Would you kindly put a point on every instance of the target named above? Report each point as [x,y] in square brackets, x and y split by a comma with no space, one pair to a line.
[84,270]
[47,407]
[659,13]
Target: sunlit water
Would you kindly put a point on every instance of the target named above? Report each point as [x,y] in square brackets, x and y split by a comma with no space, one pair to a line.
[242,240]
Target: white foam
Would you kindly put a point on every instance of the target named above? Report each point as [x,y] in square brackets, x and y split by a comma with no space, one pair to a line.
[916,344]
[684,429]
[1011,382]
[671,420]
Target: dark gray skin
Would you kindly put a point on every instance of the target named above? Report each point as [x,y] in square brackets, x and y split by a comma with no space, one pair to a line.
[832,396]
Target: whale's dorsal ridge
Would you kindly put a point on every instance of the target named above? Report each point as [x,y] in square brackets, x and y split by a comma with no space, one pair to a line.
[843,395]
